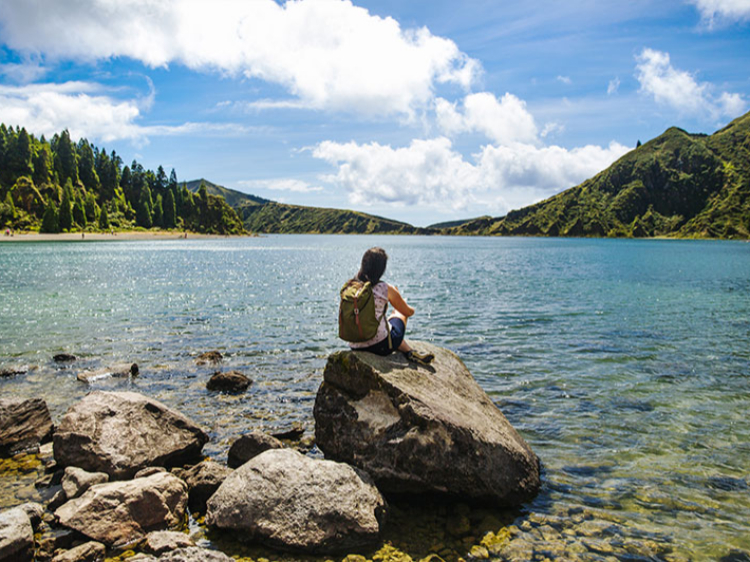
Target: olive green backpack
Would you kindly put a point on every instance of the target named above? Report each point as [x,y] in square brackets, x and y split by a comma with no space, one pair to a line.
[358,321]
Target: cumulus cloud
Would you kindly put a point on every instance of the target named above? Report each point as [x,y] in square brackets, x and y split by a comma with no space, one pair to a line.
[329,55]
[501,120]
[291,185]
[85,109]
[715,11]
[680,89]
[430,173]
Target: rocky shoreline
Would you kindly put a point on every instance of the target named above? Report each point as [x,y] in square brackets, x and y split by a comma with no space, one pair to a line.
[125,478]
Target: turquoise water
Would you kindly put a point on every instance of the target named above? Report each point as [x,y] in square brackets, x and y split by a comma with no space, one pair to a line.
[624,363]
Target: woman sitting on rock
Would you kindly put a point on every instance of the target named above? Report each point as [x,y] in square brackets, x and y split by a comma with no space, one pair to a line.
[372,269]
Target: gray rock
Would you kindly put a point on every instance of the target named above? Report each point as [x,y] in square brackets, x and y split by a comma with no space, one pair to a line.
[119,513]
[87,552]
[251,445]
[141,557]
[160,542]
[289,501]
[194,554]
[228,381]
[121,433]
[23,424]
[419,429]
[76,481]
[16,536]
[35,512]
[118,370]
[209,358]
[203,480]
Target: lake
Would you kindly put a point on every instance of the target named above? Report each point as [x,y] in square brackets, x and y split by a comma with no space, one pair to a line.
[625,364]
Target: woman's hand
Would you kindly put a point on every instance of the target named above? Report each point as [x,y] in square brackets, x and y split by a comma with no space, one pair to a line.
[398,302]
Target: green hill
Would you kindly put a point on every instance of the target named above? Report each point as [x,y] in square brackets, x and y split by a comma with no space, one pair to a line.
[264,216]
[678,184]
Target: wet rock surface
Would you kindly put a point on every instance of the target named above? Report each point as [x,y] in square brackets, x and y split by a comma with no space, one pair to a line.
[118,370]
[228,381]
[286,500]
[120,433]
[121,512]
[251,445]
[23,424]
[422,429]
[91,551]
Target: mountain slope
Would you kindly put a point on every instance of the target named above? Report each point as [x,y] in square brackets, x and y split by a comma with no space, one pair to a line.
[677,184]
[269,217]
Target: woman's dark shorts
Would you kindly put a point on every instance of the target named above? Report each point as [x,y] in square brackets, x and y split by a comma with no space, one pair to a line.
[398,331]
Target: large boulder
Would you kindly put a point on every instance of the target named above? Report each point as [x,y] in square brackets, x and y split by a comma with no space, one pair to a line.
[23,424]
[419,429]
[289,501]
[121,433]
[119,513]
[16,536]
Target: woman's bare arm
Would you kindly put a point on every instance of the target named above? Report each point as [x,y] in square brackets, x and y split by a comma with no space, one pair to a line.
[398,302]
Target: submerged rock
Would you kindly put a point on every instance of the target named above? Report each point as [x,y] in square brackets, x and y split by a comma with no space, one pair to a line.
[23,424]
[209,357]
[289,501]
[63,358]
[119,370]
[422,429]
[228,381]
[8,372]
[119,513]
[120,433]
[16,536]
[251,445]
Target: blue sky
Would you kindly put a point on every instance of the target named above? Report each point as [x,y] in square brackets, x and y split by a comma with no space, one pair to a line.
[422,111]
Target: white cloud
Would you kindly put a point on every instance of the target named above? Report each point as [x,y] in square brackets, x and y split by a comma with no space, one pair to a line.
[715,11]
[505,120]
[613,86]
[86,111]
[430,173]
[329,55]
[681,90]
[291,185]
[565,80]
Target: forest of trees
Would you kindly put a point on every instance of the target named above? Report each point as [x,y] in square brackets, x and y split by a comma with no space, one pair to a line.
[63,186]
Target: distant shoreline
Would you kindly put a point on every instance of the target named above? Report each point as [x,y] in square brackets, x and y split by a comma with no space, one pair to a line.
[101,236]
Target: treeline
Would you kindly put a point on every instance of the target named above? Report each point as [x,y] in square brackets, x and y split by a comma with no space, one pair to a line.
[62,186]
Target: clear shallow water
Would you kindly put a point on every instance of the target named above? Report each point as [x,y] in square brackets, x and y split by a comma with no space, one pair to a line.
[624,364]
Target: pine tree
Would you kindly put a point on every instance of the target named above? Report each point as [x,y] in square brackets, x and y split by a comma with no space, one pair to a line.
[49,220]
[158,212]
[91,208]
[66,164]
[143,212]
[79,213]
[87,167]
[65,215]
[19,155]
[103,219]
[170,210]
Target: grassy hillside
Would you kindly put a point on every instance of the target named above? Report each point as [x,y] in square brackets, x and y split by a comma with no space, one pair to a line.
[264,216]
[678,185]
